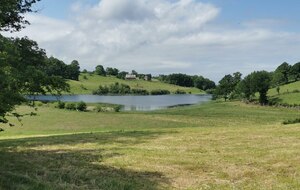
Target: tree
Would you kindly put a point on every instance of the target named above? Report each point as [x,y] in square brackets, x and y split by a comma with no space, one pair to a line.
[261,82]
[258,81]
[226,86]
[133,72]
[22,62]
[22,72]
[100,70]
[203,83]
[180,80]
[245,89]
[112,71]
[12,14]
[122,75]
[73,70]
[278,78]
[295,71]
[282,73]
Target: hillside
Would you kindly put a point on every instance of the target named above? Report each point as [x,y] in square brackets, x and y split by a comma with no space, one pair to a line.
[88,83]
[289,93]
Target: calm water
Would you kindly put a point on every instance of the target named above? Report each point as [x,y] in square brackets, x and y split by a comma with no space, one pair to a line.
[138,103]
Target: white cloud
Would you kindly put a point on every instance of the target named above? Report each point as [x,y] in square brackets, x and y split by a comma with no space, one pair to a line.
[162,37]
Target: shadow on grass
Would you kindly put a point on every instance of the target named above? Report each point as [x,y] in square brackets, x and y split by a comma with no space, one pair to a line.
[29,164]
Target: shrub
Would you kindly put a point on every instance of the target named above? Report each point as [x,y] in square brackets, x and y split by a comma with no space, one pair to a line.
[178,91]
[117,108]
[100,108]
[61,105]
[102,90]
[294,121]
[139,92]
[160,92]
[70,106]
[40,104]
[81,106]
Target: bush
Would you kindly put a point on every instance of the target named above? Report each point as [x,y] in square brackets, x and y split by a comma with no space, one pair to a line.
[178,91]
[102,90]
[81,106]
[100,108]
[70,106]
[160,92]
[117,108]
[139,92]
[294,121]
[61,105]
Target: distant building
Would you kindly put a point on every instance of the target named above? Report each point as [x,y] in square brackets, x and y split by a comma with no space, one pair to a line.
[130,77]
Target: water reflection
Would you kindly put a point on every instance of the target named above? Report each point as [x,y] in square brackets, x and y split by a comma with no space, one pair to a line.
[133,103]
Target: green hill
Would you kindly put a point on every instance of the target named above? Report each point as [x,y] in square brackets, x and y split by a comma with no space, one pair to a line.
[88,83]
[289,93]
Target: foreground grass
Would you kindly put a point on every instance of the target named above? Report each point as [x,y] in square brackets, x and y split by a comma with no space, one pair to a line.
[214,146]
[92,82]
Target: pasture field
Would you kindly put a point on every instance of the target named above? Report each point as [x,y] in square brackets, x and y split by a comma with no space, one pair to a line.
[288,94]
[89,82]
[213,146]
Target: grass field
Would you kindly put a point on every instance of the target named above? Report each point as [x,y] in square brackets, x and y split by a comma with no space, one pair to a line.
[87,86]
[287,93]
[213,146]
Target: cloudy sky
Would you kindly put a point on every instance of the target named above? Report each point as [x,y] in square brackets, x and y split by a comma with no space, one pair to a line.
[204,37]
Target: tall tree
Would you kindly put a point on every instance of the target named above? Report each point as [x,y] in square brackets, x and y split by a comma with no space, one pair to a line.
[295,72]
[73,70]
[226,86]
[22,62]
[282,73]
[100,70]
[258,81]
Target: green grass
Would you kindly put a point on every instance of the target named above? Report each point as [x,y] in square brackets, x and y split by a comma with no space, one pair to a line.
[285,88]
[213,146]
[286,94]
[87,86]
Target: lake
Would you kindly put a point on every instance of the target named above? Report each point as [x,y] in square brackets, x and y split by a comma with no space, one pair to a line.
[133,103]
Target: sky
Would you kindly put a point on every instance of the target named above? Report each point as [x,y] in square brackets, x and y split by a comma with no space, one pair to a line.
[198,37]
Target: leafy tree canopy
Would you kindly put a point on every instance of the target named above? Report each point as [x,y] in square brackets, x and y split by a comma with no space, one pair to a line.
[12,14]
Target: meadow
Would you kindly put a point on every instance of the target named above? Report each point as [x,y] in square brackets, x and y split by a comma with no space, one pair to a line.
[213,146]
[89,82]
[289,93]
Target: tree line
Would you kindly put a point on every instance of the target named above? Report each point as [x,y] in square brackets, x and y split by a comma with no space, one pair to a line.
[188,81]
[235,87]
[124,89]
[110,71]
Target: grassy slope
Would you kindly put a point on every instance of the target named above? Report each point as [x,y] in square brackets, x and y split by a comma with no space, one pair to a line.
[93,82]
[214,146]
[286,95]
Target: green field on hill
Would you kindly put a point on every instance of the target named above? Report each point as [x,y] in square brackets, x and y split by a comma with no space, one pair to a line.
[213,146]
[289,93]
[92,82]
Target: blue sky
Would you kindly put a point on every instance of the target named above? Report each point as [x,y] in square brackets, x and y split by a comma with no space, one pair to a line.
[233,11]
[205,37]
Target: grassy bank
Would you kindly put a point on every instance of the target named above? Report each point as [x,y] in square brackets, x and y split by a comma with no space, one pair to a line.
[214,146]
[288,94]
[88,83]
